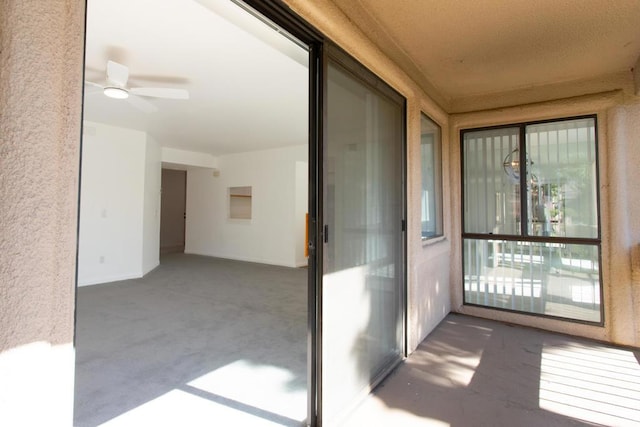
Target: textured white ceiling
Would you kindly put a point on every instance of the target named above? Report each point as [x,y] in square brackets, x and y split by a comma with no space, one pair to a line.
[466,48]
[248,84]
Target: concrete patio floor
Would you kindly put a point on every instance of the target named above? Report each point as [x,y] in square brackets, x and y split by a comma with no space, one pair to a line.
[476,372]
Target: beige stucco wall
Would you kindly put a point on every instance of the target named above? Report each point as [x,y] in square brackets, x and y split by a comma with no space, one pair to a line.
[427,265]
[624,223]
[40,106]
[619,154]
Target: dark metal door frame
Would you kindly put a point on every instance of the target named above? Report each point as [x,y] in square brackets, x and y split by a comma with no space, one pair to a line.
[285,19]
[318,47]
[332,52]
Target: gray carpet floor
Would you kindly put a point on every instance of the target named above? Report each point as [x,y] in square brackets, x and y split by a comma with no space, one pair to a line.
[217,338]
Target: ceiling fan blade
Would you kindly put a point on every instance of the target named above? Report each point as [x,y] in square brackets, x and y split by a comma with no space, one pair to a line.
[161,92]
[117,73]
[142,104]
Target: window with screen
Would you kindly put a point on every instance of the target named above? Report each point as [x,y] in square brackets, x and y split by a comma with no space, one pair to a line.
[431,191]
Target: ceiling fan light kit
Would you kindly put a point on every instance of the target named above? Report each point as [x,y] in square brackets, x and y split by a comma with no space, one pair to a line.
[116,88]
[116,92]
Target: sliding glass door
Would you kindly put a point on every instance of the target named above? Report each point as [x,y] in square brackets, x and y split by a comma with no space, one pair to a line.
[531,231]
[363,261]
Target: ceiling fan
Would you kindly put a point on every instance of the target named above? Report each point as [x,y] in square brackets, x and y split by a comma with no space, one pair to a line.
[116,87]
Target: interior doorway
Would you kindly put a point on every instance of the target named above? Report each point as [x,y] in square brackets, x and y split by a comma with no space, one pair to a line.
[173,210]
[210,322]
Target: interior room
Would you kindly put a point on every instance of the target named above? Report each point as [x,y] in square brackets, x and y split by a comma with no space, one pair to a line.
[192,284]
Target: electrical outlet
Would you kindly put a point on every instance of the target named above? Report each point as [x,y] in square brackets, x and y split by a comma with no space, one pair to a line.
[101,259]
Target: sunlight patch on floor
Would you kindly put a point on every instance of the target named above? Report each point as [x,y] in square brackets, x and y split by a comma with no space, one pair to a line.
[239,394]
[595,384]
[179,408]
[264,387]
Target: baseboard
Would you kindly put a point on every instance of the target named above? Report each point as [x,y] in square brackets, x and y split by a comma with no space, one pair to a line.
[171,249]
[109,279]
[241,258]
[151,268]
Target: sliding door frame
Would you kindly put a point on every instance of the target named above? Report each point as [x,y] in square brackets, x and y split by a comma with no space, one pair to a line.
[349,64]
[284,18]
[319,48]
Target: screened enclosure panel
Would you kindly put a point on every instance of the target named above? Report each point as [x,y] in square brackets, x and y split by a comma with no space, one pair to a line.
[363,254]
[553,279]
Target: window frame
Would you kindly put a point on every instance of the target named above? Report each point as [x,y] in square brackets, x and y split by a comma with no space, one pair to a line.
[438,184]
[524,235]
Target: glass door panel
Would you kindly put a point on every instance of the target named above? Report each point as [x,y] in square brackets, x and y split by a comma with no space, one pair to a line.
[362,291]
[562,192]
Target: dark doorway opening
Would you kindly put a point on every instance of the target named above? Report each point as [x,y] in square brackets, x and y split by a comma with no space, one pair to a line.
[173,210]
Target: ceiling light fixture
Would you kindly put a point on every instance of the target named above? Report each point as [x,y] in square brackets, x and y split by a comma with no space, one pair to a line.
[116,92]
[511,167]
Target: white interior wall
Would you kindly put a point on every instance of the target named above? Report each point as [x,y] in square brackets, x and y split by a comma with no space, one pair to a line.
[183,158]
[118,204]
[271,235]
[151,214]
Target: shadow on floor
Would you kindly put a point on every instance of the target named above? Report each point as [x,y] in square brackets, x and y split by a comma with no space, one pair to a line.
[475,372]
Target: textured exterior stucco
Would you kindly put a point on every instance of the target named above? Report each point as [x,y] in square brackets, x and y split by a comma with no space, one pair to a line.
[618,132]
[617,81]
[623,212]
[636,76]
[40,111]
[41,84]
[428,296]
[472,56]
